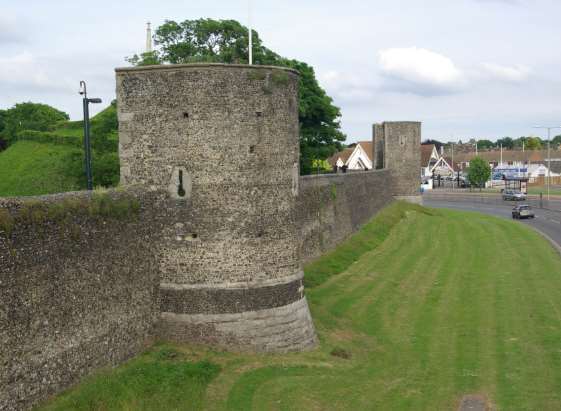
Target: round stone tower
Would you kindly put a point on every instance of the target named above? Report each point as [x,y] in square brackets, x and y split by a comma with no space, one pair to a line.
[220,145]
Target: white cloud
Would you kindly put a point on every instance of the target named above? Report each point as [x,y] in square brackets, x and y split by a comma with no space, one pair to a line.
[352,87]
[513,74]
[420,71]
[23,69]
[10,30]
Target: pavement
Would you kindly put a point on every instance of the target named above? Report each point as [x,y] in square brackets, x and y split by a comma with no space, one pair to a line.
[547,221]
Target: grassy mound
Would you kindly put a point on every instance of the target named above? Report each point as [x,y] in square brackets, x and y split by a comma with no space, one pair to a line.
[32,168]
[451,303]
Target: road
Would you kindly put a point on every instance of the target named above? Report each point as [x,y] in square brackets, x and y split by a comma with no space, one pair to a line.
[546,221]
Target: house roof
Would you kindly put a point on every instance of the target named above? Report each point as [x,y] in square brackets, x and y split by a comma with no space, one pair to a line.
[455,166]
[426,153]
[343,155]
[368,147]
[508,155]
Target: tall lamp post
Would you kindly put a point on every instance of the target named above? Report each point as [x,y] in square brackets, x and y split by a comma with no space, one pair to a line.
[87,145]
[548,155]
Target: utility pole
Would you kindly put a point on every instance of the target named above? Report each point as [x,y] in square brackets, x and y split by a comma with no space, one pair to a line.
[501,154]
[453,172]
[87,145]
[548,156]
[250,32]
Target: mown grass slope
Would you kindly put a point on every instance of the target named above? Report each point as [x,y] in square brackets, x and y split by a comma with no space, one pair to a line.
[451,303]
[32,168]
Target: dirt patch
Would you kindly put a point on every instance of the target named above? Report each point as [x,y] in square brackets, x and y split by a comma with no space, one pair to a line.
[475,403]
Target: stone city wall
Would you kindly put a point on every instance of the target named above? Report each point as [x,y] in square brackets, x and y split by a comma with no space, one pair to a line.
[331,207]
[78,290]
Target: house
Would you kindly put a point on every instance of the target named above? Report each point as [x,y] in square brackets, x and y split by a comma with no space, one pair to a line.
[429,158]
[358,157]
[517,163]
[433,163]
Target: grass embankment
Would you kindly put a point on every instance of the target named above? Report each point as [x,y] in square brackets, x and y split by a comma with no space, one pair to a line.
[554,190]
[449,304]
[32,168]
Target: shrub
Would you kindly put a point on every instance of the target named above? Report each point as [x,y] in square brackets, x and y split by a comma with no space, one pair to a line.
[48,137]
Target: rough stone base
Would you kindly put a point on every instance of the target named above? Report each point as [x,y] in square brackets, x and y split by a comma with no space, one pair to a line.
[410,199]
[282,329]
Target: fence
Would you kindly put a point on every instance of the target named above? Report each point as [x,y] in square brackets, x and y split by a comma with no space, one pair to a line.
[542,181]
[536,201]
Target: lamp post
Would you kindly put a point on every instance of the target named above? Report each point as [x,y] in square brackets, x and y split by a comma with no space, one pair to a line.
[548,155]
[87,145]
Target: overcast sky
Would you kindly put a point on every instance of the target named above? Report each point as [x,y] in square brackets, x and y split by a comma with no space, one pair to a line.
[465,68]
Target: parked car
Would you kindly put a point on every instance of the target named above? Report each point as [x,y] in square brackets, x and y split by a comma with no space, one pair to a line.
[514,195]
[522,211]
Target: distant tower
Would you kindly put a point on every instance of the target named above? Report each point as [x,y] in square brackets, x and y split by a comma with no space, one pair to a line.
[148,38]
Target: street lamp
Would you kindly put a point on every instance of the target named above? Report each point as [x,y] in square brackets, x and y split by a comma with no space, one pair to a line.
[87,146]
[548,155]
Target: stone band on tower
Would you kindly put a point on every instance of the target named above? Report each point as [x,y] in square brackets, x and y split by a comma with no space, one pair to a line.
[222,143]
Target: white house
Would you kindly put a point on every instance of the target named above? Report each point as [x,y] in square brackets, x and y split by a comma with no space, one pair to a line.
[358,157]
[429,158]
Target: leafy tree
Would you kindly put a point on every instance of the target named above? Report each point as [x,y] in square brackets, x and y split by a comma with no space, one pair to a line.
[556,141]
[479,172]
[3,142]
[506,142]
[2,119]
[31,116]
[533,143]
[149,58]
[485,144]
[226,41]
[529,143]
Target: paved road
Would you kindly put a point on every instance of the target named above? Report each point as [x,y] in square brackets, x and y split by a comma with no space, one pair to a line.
[548,222]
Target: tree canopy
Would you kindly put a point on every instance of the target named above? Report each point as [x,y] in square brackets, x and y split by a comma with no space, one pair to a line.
[479,172]
[226,41]
[485,144]
[30,116]
[506,142]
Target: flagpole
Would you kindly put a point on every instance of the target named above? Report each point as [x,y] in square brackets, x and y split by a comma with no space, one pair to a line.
[250,32]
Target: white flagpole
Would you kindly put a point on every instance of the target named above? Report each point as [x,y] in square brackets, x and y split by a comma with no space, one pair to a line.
[250,32]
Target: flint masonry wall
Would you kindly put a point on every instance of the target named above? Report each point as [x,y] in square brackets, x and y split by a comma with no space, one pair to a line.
[77,292]
[400,142]
[223,142]
[331,207]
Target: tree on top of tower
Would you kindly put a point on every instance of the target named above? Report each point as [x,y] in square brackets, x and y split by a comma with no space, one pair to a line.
[227,41]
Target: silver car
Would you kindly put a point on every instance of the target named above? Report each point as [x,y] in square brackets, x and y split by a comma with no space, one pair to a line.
[514,195]
[522,211]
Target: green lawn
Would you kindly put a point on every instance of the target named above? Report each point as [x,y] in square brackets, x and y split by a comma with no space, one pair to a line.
[450,303]
[554,190]
[32,168]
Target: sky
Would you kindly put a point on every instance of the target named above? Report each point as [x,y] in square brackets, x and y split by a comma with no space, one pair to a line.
[465,68]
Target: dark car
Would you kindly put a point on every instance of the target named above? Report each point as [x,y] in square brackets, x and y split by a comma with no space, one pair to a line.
[522,211]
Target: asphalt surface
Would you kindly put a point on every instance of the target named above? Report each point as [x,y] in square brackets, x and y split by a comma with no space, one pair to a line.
[547,221]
